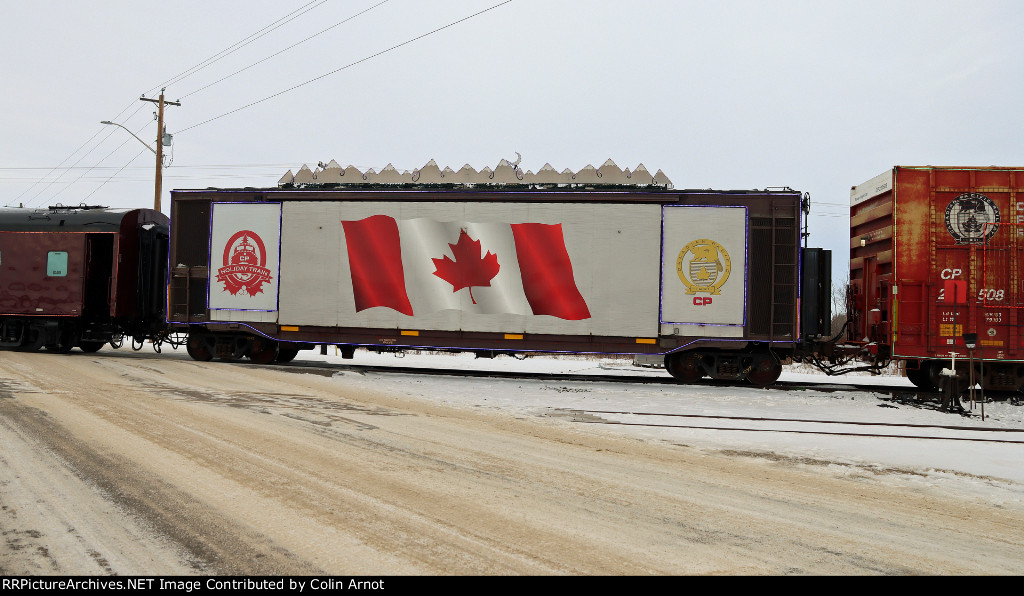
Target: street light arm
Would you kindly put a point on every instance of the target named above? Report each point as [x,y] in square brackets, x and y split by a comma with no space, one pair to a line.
[131,133]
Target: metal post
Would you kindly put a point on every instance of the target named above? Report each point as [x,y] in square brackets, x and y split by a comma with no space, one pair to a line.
[981,365]
[971,342]
[971,380]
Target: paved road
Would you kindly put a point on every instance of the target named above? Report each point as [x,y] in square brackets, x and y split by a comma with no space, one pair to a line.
[146,464]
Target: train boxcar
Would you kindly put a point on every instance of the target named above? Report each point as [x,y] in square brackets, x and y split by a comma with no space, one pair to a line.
[80,276]
[935,257]
[712,279]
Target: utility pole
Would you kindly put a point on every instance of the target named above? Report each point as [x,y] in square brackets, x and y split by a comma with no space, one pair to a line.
[159,143]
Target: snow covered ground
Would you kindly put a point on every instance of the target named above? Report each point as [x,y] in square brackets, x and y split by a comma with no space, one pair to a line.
[991,469]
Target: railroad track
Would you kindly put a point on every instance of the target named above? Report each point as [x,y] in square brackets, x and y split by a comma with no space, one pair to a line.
[826,385]
[888,395]
[897,394]
[801,426]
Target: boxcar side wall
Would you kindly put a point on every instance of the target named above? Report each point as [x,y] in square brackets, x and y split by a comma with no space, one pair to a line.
[960,242]
[589,271]
[468,267]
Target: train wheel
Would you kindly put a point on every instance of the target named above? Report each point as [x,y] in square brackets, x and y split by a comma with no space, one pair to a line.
[91,346]
[33,340]
[921,378]
[263,351]
[684,367]
[65,342]
[286,355]
[766,371]
[197,348]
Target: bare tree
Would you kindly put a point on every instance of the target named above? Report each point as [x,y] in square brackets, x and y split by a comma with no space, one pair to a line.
[840,307]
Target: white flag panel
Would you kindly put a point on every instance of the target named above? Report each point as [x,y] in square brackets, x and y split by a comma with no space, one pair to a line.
[704,265]
[244,256]
[613,249]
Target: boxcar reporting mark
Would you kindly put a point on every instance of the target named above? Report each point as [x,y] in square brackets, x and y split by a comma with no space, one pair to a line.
[520,268]
[245,264]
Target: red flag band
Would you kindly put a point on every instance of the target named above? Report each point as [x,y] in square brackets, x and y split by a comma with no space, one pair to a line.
[375,257]
[547,272]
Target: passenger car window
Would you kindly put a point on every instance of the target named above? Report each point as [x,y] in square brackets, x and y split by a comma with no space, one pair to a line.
[56,263]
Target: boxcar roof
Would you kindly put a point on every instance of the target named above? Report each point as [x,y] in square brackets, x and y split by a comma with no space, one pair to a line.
[457,193]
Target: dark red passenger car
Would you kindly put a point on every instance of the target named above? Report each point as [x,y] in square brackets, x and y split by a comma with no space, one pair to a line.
[81,276]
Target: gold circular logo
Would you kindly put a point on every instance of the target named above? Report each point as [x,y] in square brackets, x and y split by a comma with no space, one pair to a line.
[707,270]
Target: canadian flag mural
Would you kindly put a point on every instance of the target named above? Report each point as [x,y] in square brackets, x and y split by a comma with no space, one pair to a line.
[419,266]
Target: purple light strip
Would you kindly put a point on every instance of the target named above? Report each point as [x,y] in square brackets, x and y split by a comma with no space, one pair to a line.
[467,349]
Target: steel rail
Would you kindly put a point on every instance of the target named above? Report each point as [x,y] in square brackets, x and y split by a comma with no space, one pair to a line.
[802,432]
[899,393]
[805,420]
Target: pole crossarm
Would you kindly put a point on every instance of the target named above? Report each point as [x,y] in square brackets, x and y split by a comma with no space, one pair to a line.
[165,102]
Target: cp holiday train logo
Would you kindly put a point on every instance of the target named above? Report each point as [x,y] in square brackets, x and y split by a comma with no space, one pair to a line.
[708,268]
[245,261]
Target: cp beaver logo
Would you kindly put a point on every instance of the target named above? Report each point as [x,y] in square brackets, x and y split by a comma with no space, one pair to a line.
[245,261]
[708,268]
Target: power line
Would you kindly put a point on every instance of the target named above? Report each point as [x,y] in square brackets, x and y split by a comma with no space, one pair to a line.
[58,193]
[360,61]
[55,168]
[204,166]
[160,119]
[239,44]
[284,50]
[223,53]
[137,155]
[280,22]
[72,154]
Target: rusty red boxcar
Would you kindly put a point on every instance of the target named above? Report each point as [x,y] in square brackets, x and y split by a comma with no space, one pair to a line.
[935,258]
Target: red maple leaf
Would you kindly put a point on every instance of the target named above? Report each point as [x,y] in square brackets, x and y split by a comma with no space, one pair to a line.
[468,269]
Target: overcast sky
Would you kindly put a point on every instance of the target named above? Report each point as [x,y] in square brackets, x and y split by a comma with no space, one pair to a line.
[814,95]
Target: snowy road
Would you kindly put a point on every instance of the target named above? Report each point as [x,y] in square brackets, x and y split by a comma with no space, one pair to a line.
[146,464]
